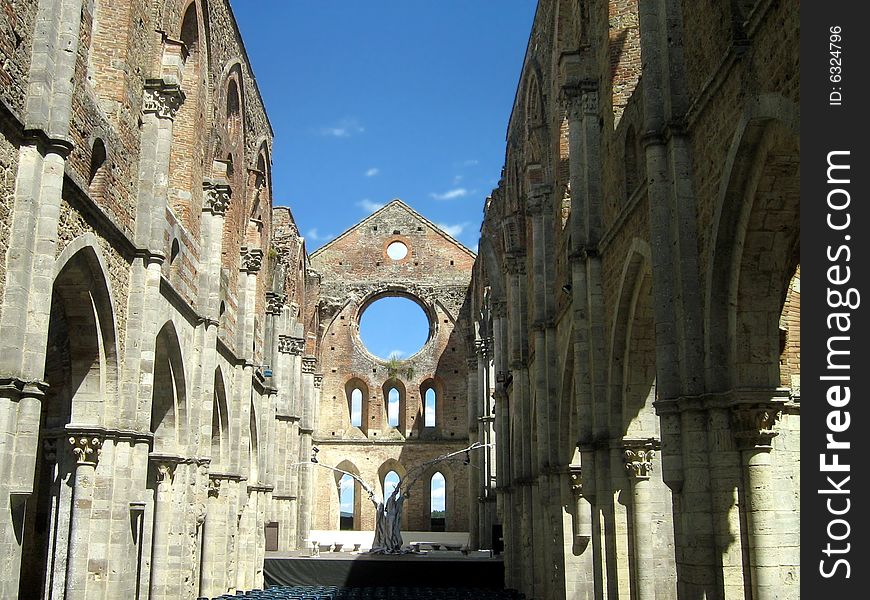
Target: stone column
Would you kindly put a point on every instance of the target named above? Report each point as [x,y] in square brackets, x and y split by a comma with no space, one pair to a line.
[473,384]
[251,262]
[210,569]
[306,430]
[638,456]
[753,430]
[161,585]
[86,448]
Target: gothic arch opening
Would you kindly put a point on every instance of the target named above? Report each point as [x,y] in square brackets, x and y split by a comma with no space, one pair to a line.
[81,371]
[186,171]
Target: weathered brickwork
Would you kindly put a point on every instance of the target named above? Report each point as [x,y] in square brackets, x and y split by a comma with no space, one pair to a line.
[123,243]
[16,41]
[355,270]
[639,276]
[625,348]
[8,168]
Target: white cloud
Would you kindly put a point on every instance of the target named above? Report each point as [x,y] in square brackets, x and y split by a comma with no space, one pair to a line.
[369,206]
[396,354]
[457,179]
[471,163]
[372,172]
[343,129]
[346,493]
[429,416]
[437,493]
[355,415]
[453,230]
[315,236]
[450,194]
[474,248]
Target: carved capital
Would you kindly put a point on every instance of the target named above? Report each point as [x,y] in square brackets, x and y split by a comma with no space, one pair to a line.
[515,264]
[483,347]
[86,448]
[308,364]
[252,259]
[638,457]
[499,309]
[753,425]
[162,99]
[275,302]
[165,472]
[287,344]
[214,487]
[318,380]
[576,480]
[49,449]
[217,197]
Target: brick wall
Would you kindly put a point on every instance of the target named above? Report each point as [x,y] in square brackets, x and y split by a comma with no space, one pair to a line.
[355,269]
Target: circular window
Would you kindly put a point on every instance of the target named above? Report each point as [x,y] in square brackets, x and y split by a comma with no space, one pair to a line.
[397,251]
[393,327]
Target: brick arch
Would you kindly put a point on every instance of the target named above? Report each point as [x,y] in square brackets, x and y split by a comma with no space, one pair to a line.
[359,383]
[753,255]
[189,139]
[399,386]
[391,464]
[351,468]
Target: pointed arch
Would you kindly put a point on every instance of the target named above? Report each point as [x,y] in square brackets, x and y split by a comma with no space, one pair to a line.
[352,490]
[632,376]
[220,424]
[186,168]
[357,394]
[169,418]
[253,445]
[81,371]
[757,217]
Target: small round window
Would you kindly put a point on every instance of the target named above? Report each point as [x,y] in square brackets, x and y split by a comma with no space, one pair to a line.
[397,251]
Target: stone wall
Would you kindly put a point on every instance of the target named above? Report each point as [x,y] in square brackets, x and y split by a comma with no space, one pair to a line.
[355,270]
[144,381]
[637,198]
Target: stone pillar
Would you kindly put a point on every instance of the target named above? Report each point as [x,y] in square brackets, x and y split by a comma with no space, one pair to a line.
[86,448]
[210,568]
[161,100]
[306,430]
[473,393]
[161,585]
[638,457]
[753,430]
[251,262]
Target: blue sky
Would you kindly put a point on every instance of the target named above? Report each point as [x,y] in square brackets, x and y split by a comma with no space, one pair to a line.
[371,101]
[386,99]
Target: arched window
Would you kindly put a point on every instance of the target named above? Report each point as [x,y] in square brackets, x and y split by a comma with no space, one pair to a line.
[234,114]
[185,162]
[390,483]
[357,394]
[356,399]
[99,171]
[393,402]
[438,503]
[429,404]
[347,502]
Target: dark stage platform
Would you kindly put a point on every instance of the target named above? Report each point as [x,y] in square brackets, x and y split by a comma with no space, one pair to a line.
[369,570]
